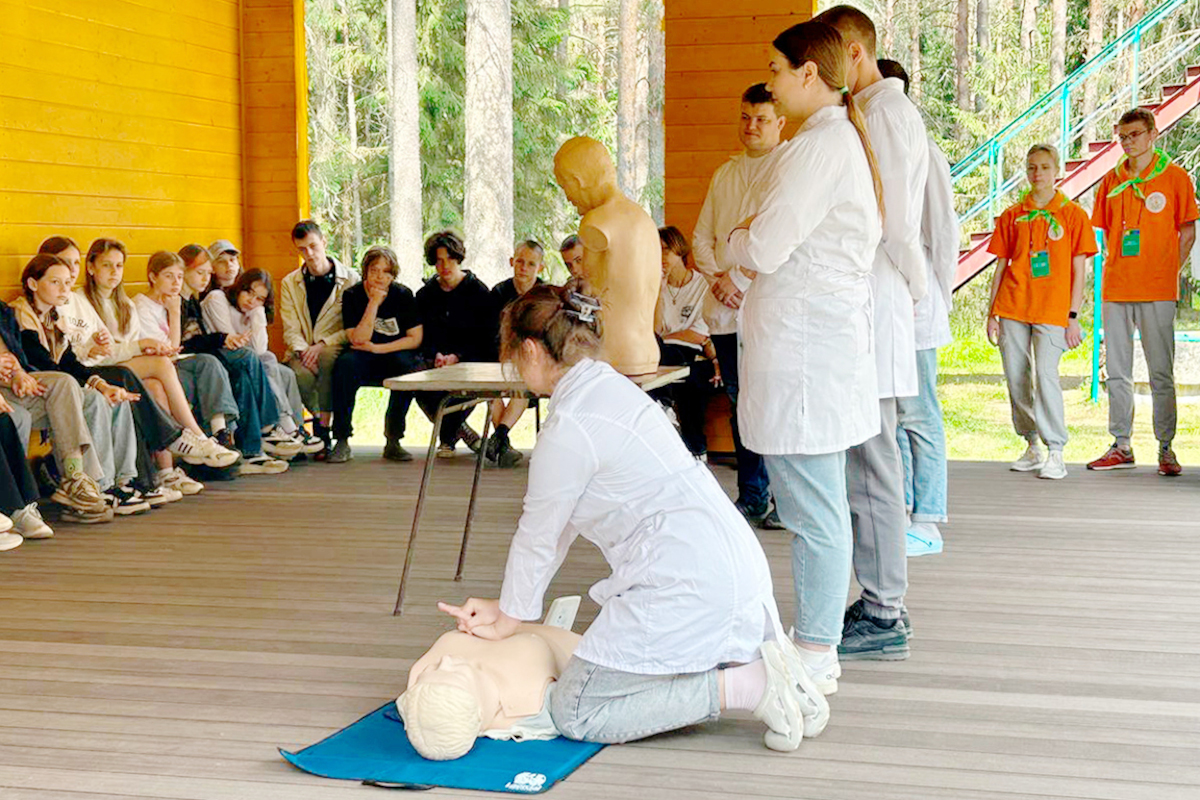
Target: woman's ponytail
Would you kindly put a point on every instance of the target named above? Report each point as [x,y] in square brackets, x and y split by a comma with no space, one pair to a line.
[860,124]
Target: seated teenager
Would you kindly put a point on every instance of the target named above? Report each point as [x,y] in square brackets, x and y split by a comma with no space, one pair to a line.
[571,251]
[122,446]
[384,332]
[245,307]
[226,264]
[526,263]
[19,517]
[247,373]
[204,376]
[684,340]
[456,312]
[149,360]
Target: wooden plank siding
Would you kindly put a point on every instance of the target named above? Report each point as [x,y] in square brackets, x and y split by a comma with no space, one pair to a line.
[715,51]
[154,121]
[168,655]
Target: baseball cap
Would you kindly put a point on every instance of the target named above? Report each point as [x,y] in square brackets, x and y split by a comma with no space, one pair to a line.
[221,246]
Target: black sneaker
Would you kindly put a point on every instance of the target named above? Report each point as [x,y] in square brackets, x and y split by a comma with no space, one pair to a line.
[906,622]
[753,514]
[340,453]
[772,522]
[392,451]
[470,438]
[126,501]
[865,638]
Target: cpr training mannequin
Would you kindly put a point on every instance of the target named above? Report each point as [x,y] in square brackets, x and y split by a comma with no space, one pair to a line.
[621,255]
[465,687]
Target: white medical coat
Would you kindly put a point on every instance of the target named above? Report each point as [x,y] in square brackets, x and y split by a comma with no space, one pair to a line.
[733,195]
[690,587]
[940,242]
[807,372]
[900,274]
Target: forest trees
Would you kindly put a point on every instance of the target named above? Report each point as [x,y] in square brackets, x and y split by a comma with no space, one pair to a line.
[389,120]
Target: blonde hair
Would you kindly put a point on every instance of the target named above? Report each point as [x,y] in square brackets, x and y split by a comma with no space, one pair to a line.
[442,721]
[121,301]
[1042,147]
[823,45]
[161,260]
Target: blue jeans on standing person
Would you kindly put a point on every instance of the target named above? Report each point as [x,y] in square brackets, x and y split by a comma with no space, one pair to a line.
[810,495]
[921,434]
[753,483]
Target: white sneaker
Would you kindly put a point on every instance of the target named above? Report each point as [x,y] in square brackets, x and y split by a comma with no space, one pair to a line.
[80,492]
[180,481]
[198,450]
[6,524]
[308,443]
[779,707]
[823,668]
[262,465]
[281,445]
[161,495]
[813,705]
[1054,469]
[9,541]
[1032,460]
[29,523]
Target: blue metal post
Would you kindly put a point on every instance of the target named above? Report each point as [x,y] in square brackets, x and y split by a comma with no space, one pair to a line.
[1097,316]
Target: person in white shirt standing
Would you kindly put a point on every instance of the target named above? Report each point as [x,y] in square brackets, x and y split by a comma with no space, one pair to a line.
[808,388]
[921,431]
[732,196]
[690,592]
[876,626]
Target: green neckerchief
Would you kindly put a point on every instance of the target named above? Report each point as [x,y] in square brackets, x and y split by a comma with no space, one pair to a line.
[1161,163]
[1041,213]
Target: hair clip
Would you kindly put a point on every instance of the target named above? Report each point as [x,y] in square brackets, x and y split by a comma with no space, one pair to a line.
[583,307]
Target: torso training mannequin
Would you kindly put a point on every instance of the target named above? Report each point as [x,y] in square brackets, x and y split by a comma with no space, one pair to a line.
[622,258]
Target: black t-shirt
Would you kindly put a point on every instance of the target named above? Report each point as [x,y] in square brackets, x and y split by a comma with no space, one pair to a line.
[317,289]
[396,314]
[458,322]
[503,293]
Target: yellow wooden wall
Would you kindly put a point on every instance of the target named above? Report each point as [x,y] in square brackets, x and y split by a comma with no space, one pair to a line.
[158,122]
[716,49]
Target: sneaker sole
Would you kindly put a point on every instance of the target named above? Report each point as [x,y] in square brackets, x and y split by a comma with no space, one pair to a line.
[1109,469]
[46,534]
[1052,477]
[261,471]
[1170,473]
[1030,468]
[130,511]
[398,459]
[898,652]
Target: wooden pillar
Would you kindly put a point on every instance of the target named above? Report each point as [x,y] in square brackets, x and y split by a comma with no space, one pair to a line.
[274,134]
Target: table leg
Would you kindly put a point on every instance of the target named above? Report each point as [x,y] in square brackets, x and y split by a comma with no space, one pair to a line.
[479,457]
[430,457]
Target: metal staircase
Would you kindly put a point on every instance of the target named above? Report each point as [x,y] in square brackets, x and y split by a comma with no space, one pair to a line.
[1053,118]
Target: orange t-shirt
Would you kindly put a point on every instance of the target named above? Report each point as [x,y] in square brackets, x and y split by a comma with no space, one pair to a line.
[1043,299]
[1170,202]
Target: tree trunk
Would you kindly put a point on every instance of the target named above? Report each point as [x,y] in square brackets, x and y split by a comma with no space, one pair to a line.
[1058,42]
[914,48]
[1097,11]
[962,55]
[889,29]
[404,153]
[489,137]
[657,79]
[983,42]
[1025,45]
[627,16]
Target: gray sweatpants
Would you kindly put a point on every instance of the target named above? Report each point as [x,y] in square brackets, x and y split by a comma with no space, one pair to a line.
[875,484]
[1156,323]
[1030,354]
[60,410]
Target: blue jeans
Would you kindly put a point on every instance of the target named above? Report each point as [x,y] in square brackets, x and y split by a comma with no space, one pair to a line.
[753,483]
[810,495]
[255,399]
[922,438]
[591,703]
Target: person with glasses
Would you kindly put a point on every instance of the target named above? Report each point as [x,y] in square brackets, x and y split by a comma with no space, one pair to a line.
[1147,209]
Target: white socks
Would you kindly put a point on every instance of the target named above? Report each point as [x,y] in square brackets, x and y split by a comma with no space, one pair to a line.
[287,424]
[217,423]
[745,685]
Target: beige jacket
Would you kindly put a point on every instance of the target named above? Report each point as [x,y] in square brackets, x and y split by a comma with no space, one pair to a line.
[298,329]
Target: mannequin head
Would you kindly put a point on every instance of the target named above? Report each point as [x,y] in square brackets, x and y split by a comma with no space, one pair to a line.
[442,711]
[585,171]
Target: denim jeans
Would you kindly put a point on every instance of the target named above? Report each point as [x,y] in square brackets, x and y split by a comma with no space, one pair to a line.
[285,383]
[113,438]
[591,703]
[753,484]
[206,387]
[255,399]
[922,438]
[810,495]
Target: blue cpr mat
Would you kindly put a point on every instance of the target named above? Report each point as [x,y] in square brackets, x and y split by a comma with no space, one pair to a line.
[376,750]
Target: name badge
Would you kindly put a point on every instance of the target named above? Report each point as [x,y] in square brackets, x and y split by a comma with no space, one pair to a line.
[1039,263]
[1131,243]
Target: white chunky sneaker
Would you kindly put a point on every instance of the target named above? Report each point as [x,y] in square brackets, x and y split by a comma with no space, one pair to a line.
[823,668]
[6,524]
[262,465]
[198,450]
[1054,469]
[29,523]
[813,705]
[175,478]
[80,492]
[162,495]
[9,541]
[779,707]
[1032,460]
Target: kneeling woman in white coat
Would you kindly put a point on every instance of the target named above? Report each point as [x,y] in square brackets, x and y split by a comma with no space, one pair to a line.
[690,590]
[808,383]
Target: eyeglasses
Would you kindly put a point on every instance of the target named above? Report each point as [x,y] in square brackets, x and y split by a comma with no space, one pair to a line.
[1129,137]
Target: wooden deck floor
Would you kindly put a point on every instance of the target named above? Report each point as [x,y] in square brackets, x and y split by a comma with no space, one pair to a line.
[167,656]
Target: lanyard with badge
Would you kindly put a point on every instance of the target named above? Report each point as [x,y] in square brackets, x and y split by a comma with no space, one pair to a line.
[1131,238]
[1039,257]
